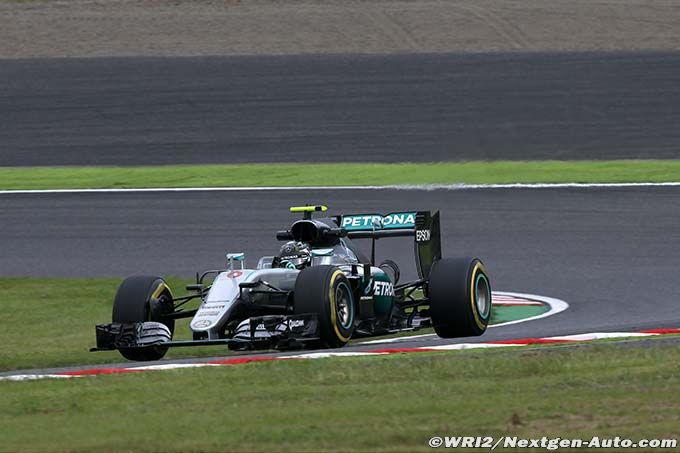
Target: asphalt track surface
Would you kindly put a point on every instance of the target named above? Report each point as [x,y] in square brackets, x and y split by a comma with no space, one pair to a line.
[435,107]
[612,254]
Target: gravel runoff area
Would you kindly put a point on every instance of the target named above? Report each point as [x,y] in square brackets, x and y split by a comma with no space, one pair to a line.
[88,28]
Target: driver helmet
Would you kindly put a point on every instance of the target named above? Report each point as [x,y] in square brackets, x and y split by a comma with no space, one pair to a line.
[295,255]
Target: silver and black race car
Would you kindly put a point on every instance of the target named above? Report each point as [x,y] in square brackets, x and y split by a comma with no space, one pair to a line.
[319,291]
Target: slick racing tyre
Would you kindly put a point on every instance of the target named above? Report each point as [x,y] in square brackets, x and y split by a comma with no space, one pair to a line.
[325,290]
[144,299]
[460,297]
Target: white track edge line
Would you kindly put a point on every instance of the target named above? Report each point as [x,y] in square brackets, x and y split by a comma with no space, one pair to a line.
[556,306]
[35,377]
[600,336]
[456,346]
[322,355]
[425,187]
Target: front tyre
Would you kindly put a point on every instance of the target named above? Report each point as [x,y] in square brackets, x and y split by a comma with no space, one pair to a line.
[460,297]
[325,290]
[143,299]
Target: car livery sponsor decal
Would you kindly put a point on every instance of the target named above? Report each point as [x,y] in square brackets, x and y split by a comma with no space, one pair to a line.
[292,323]
[203,314]
[423,235]
[370,221]
[383,288]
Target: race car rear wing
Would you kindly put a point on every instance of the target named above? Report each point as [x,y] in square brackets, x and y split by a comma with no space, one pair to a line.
[423,226]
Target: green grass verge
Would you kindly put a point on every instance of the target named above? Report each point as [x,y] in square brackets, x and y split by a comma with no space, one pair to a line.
[50,322]
[14,178]
[392,403]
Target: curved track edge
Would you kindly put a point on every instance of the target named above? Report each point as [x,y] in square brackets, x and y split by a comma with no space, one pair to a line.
[95,371]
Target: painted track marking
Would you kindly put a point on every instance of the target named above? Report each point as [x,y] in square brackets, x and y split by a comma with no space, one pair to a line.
[424,187]
[319,355]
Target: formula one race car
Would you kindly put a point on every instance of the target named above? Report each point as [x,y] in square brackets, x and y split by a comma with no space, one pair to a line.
[319,291]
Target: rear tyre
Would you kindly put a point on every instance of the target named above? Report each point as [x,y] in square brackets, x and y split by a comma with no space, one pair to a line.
[143,299]
[325,290]
[391,269]
[460,297]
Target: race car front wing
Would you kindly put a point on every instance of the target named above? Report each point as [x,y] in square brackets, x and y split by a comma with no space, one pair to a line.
[261,332]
